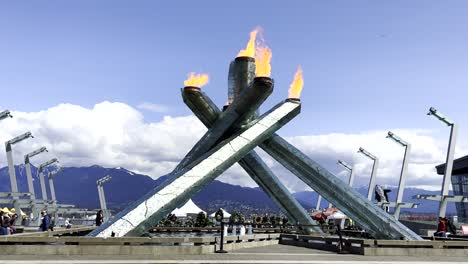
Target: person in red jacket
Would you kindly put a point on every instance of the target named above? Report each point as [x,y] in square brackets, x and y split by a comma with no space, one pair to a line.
[441,227]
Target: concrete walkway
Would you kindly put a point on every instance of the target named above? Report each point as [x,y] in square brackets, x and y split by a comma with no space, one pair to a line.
[268,254]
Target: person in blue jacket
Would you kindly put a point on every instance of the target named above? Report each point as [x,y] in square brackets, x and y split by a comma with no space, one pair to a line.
[45,221]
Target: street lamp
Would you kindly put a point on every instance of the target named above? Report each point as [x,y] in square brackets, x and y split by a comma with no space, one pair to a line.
[52,190]
[102,197]
[373,173]
[351,172]
[5,114]
[27,163]
[449,160]
[11,167]
[40,172]
[404,168]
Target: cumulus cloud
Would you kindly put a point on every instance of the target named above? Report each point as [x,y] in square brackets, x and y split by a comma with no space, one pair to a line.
[155,108]
[109,134]
[113,134]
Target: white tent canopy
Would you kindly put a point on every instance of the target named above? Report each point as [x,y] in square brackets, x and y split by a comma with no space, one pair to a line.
[225,214]
[188,208]
[338,215]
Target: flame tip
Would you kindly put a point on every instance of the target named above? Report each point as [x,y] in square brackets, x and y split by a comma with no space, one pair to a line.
[196,80]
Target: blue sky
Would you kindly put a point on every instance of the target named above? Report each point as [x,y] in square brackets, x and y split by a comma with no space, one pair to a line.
[368,65]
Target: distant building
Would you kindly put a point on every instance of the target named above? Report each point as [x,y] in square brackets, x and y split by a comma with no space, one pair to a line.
[459,184]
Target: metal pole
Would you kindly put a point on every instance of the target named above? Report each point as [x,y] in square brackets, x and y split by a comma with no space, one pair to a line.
[319,201]
[13,183]
[11,169]
[372,179]
[448,169]
[402,183]
[100,195]
[54,198]
[104,208]
[351,177]
[43,186]
[27,162]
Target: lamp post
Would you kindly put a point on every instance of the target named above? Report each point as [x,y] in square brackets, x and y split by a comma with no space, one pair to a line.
[449,160]
[40,171]
[27,163]
[351,171]
[373,173]
[102,197]
[5,114]
[404,168]
[50,175]
[11,168]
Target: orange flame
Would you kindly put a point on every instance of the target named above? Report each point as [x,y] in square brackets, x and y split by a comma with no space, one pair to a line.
[196,80]
[296,86]
[250,49]
[262,62]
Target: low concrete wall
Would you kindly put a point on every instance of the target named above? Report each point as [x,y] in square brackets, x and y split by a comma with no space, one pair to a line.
[22,245]
[371,247]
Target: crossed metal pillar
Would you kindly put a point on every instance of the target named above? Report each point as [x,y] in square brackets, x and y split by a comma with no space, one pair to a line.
[12,172]
[231,136]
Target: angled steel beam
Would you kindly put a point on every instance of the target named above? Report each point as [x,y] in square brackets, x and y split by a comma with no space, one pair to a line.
[377,222]
[237,113]
[202,106]
[155,205]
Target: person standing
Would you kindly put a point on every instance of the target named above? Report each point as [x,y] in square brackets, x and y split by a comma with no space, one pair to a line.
[45,221]
[99,218]
[12,223]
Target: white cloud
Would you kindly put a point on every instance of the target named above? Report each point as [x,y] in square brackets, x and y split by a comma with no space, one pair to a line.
[116,135]
[155,108]
[109,134]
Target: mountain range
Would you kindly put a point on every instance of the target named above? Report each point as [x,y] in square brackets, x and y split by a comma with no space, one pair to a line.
[77,185]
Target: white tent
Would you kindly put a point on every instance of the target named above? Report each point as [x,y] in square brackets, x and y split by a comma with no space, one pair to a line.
[338,215]
[225,214]
[188,208]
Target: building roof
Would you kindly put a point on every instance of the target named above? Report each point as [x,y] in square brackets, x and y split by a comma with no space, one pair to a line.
[460,166]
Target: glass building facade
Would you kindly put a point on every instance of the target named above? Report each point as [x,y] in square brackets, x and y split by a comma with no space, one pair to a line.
[460,187]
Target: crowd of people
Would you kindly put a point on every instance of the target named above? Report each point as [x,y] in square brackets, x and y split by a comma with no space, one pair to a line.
[7,223]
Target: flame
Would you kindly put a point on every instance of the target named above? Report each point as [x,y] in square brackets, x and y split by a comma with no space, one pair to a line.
[296,86]
[262,62]
[250,49]
[196,80]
